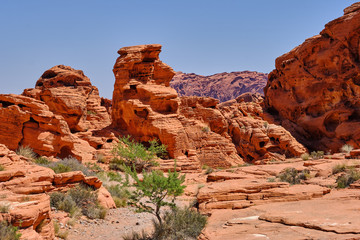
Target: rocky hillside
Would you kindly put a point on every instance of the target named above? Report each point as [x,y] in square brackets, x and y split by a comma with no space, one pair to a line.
[223,86]
[315,88]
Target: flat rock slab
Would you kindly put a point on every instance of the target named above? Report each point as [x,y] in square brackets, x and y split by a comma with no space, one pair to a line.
[312,219]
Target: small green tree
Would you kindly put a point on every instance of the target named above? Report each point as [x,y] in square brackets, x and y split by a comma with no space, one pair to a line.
[131,153]
[154,190]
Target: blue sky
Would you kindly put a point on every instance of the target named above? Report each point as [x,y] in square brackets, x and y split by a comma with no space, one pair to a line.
[199,36]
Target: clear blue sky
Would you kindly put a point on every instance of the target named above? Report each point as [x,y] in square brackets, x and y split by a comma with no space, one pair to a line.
[199,36]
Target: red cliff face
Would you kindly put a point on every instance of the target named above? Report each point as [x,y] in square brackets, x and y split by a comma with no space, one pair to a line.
[222,86]
[315,88]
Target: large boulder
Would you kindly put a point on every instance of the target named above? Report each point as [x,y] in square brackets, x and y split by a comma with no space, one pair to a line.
[315,88]
[29,122]
[69,93]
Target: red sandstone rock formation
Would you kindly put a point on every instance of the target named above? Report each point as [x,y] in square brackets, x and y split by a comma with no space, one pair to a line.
[145,107]
[29,122]
[23,187]
[222,86]
[69,93]
[255,139]
[315,88]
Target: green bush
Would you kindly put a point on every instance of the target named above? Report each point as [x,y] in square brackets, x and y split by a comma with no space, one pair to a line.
[8,232]
[178,224]
[339,168]
[156,188]
[131,153]
[4,208]
[26,151]
[2,168]
[120,194]
[305,156]
[42,161]
[348,178]
[81,198]
[68,165]
[292,176]
[317,154]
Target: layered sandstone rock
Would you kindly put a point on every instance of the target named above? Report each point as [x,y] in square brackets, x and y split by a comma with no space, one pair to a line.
[244,204]
[29,122]
[315,88]
[222,86]
[242,122]
[23,187]
[145,107]
[69,93]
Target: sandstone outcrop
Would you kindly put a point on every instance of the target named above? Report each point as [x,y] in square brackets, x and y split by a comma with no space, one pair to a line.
[29,122]
[315,88]
[242,121]
[223,86]
[69,93]
[145,107]
[244,204]
[23,188]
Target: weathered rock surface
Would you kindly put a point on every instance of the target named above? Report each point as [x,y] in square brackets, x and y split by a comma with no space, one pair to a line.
[244,204]
[69,93]
[223,86]
[29,122]
[315,88]
[145,107]
[242,121]
[23,187]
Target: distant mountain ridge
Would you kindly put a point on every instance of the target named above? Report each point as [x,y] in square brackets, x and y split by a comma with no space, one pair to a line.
[223,86]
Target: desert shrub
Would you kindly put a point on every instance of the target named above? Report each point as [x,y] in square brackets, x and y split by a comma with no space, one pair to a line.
[339,168]
[317,154]
[305,156]
[132,153]
[82,195]
[156,189]
[2,168]
[179,224]
[207,169]
[8,232]
[64,202]
[100,158]
[4,208]
[93,167]
[114,176]
[346,148]
[26,151]
[68,165]
[63,234]
[205,129]
[137,236]
[272,179]
[305,174]
[81,198]
[120,194]
[42,161]
[292,176]
[348,178]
